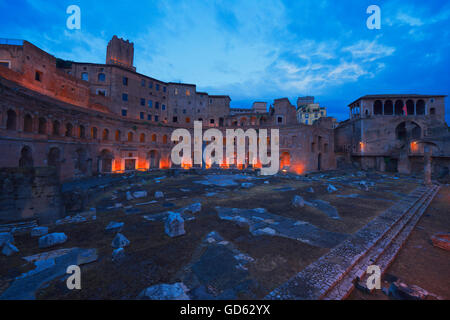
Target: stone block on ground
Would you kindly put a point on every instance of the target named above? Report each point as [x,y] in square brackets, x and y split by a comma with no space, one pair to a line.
[159,194]
[9,249]
[176,291]
[139,194]
[193,208]
[52,239]
[402,291]
[6,237]
[120,241]
[331,188]
[118,254]
[298,202]
[39,231]
[114,226]
[174,225]
[441,240]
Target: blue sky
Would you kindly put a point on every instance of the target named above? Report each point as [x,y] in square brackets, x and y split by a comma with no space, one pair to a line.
[257,50]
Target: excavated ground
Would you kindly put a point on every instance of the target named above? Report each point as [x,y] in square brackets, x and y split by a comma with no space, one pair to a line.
[258,250]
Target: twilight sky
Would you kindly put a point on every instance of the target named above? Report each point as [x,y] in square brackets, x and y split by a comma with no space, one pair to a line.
[257,50]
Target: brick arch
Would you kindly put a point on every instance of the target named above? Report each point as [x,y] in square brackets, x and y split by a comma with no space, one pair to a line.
[42,125]
[11,120]
[68,130]
[26,157]
[28,123]
[105,134]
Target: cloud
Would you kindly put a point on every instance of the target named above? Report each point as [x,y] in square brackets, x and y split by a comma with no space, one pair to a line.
[369,51]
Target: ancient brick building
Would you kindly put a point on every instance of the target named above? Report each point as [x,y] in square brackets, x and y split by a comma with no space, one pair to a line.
[391,133]
[85,118]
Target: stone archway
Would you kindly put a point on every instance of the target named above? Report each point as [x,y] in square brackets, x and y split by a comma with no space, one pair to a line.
[105,161]
[153,157]
[53,159]
[285,160]
[11,120]
[407,130]
[81,162]
[26,158]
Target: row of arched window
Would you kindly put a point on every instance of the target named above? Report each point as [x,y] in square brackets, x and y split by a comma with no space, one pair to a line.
[71,131]
[399,107]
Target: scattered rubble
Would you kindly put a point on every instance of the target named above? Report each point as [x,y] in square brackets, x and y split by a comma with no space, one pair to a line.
[9,249]
[39,231]
[441,240]
[331,188]
[118,254]
[120,241]
[247,185]
[192,208]
[114,226]
[298,202]
[140,194]
[49,266]
[174,225]
[402,291]
[52,239]
[176,291]
[6,237]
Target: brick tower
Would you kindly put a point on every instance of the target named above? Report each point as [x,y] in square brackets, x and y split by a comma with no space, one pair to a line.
[120,52]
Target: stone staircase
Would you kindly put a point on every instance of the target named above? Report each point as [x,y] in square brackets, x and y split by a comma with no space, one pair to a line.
[332,276]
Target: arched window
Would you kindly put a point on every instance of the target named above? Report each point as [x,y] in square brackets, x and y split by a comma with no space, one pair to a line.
[400,131]
[69,129]
[388,108]
[420,107]
[130,136]
[28,124]
[164,139]
[105,135]
[399,107]
[410,107]
[142,137]
[11,119]
[42,126]
[117,136]
[153,137]
[56,128]
[94,133]
[26,158]
[82,132]
[285,160]
[378,107]
[416,132]
[101,77]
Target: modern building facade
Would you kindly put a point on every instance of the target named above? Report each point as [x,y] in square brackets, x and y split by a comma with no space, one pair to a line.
[309,112]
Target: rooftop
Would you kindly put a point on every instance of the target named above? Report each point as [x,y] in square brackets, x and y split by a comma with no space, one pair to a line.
[384,96]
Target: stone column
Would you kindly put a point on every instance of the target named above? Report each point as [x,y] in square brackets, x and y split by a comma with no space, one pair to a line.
[427,163]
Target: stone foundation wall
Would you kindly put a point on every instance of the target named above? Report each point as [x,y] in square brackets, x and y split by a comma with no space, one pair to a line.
[29,194]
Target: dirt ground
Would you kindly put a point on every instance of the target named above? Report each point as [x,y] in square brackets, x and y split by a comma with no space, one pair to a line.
[152,257]
[419,262]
